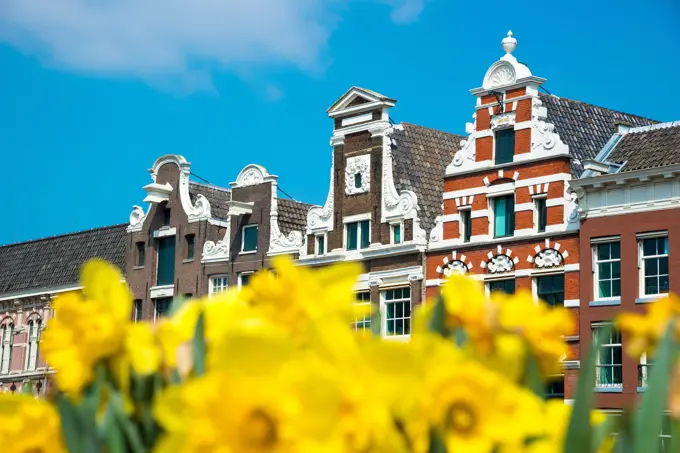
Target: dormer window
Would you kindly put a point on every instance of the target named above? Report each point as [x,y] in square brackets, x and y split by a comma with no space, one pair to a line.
[505,146]
[357,235]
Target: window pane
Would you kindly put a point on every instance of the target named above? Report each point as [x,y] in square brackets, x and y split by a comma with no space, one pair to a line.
[603,252]
[397,234]
[649,247]
[616,288]
[357,180]
[615,250]
[604,271]
[505,146]
[663,246]
[467,220]
[352,229]
[365,236]
[663,265]
[250,238]
[510,215]
[663,284]
[616,269]
[499,217]
[190,247]
[245,278]
[651,285]
[166,261]
[321,245]
[604,289]
[542,214]
[651,266]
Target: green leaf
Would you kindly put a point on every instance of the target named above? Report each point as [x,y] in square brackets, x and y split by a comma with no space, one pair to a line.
[437,319]
[675,432]
[600,433]
[70,424]
[623,442]
[532,377]
[176,304]
[579,434]
[175,378]
[109,431]
[27,388]
[93,392]
[131,432]
[436,443]
[199,346]
[649,417]
[149,427]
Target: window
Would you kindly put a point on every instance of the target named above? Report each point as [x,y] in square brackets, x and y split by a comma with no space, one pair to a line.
[191,245]
[358,233]
[505,286]
[166,217]
[33,340]
[395,233]
[505,146]
[7,334]
[320,244]
[655,266]
[249,240]
[550,289]
[244,278]
[218,283]
[466,224]
[166,261]
[555,388]
[503,216]
[141,254]
[398,311]
[364,322]
[357,180]
[541,214]
[162,306]
[137,310]
[644,368]
[608,270]
[608,371]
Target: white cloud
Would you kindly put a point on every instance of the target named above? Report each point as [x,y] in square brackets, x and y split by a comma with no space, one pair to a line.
[165,41]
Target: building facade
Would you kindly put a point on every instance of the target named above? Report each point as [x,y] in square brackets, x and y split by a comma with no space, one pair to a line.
[629,203]
[509,214]
[197,239]
[31,274]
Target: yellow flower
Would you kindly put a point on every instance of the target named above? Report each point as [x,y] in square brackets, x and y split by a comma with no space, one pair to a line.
[467,306]
[87,329]
[476,409]
[645,331]
[273,401]
[28,424]
[542,327]
[507,356]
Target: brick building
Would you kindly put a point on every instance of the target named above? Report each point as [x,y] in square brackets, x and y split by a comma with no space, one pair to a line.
[197,239]
[509,215]
[629,202]
[385,186]
[31,274]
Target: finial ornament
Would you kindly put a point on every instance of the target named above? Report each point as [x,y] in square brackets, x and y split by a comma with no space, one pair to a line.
[509,43]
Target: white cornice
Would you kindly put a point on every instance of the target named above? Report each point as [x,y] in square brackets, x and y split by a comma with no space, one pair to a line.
[39,291]
[375,251]
[627,176]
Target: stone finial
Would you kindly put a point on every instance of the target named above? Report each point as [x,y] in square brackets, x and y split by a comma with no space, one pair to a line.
[509,43]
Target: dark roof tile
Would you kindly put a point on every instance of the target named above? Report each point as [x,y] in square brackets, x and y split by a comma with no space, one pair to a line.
[292,215]
[217,197]
[648,147]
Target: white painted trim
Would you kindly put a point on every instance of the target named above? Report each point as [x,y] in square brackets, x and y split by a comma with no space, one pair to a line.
[351,120]
[555,177]
[485,239]
[605,239]
[572,303]
[165,232]
[524,207]
[374,251]
[652,234]
[47,291]
[356,218]
[162,291]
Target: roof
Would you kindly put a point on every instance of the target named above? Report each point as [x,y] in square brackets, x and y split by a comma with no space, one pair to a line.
[56,261]
[585,128]
[419,161]
[292,215]
[362,92]
[217,197]
[648,147]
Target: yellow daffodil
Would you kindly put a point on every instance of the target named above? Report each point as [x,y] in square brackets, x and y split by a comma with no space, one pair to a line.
[645,331]
[542,327]
[29,425]
[87,328]
[476,409]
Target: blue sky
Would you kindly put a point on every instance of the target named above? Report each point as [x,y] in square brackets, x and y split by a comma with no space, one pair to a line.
[91,93]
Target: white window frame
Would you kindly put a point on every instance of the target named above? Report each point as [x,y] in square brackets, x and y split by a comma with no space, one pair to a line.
[594,327]
[491,204]
[135,311]
[534,201]
[243,238]
[401,232]
[383,312]
[465,210]
[33,330]
[643,372]
[596,268]
[356,219]
[240,277]
[212,286]
[641,261]
[356,321]
[316,244]
[6,339]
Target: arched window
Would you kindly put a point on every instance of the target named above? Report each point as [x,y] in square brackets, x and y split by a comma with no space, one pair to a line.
[7,331]
[33,339]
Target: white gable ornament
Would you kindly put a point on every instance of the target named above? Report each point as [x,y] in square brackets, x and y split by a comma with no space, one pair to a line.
[456,267]
[499,264]
[548,258]
[358,170]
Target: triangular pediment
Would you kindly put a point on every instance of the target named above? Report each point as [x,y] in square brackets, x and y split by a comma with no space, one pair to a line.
[356,96]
